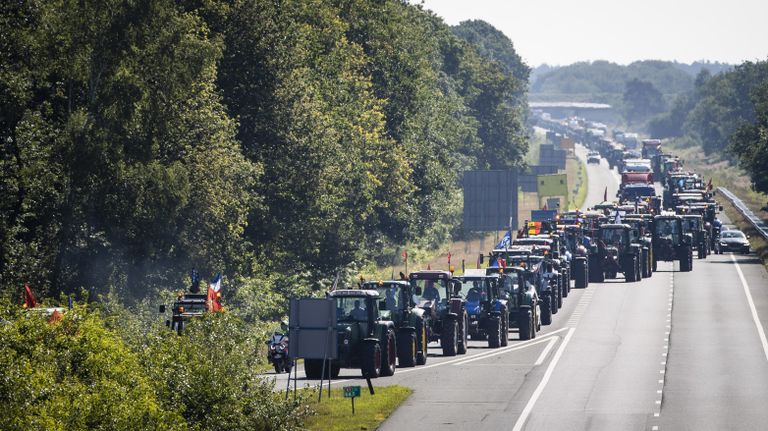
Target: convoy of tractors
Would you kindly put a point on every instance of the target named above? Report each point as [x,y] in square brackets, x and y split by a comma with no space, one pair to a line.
[521,284]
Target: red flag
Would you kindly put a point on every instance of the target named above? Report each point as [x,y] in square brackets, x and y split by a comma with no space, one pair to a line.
[709,185]
[449,257]
[214,300]
[502,263]
[55,317]
[605,194]
[478,262]
[405,255]
[29,298]
[545,207]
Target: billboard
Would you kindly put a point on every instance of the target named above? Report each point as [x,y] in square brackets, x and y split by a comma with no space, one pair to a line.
[490,200]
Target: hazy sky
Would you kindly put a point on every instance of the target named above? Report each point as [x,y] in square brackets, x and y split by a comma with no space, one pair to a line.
[561,32]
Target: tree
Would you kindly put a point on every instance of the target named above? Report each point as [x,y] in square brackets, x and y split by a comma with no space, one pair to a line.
[641,100]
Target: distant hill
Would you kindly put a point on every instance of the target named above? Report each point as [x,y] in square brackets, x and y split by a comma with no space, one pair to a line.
[604,81]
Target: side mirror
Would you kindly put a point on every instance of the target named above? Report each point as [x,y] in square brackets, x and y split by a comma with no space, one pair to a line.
[482,258]
[162,308]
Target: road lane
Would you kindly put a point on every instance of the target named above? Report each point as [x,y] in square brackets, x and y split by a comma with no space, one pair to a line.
[599,177]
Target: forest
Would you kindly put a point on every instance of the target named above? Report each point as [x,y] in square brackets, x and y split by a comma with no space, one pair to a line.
[275,142]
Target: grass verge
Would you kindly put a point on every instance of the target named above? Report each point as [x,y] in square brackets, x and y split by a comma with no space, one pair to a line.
[577,182]
[370,410]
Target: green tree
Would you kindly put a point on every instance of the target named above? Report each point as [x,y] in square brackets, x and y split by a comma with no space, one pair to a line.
[641,100]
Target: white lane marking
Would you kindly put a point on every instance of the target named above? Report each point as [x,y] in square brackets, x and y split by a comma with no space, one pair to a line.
[497,352]
[751,303]
[545,352]
[543,383]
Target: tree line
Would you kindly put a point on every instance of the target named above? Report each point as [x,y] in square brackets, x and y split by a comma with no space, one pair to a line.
[272,141]
[725,114]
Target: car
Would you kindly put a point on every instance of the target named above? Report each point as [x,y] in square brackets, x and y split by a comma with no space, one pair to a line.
[593,157]
[733,240]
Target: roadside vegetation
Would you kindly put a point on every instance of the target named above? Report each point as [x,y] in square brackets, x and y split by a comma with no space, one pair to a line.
[277,143]
[335,414]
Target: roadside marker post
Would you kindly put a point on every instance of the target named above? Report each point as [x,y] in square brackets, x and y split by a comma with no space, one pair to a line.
[352,392]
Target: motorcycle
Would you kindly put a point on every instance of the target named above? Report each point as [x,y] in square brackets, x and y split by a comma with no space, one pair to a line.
[277,353]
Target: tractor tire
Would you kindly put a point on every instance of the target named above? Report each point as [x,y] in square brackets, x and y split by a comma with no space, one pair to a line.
[682,256]
[638,270]
[422,341]
[524,324]
[595,270]
[629,267]
[449,340]
[702,252]
[278,368]
[313,369]
[390,355]
[406,349]
[504,327]
[494,332]
[462,339]
[546,312]
[553,303]
[580,274]
[566,284]
[370,362]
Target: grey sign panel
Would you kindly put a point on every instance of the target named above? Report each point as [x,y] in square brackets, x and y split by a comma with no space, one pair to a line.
[490,199]
[549,155]
[312,328]
[527,181]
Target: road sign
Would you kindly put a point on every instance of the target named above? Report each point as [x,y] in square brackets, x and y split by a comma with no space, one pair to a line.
[351,391]
[490,200]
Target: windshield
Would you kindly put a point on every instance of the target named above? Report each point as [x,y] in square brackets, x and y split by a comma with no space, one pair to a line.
[666,227]
[351,309]
[691,224]
[390,299]
[475,289]
[614,237]
[510,282]
[633,192]
[731,234]
[431,290]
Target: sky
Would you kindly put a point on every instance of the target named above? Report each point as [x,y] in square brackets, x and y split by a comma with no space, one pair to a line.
[561,32]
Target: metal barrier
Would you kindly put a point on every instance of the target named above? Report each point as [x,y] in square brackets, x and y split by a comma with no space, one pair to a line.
[754,220]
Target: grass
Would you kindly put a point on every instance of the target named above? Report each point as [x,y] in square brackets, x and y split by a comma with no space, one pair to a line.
[370,410]
[577,182]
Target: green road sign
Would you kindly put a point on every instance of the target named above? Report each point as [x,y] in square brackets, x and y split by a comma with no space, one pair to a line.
[351,391]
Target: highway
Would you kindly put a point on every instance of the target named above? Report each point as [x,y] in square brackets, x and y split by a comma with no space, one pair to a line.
[677,351]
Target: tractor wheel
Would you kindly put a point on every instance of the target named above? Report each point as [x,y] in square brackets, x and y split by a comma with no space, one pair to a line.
[580,275]
[504,327]
[278,368]
[654,265]
[629,268]
[546,312]
[390,355]
[683,258]
[370,363]
[313,368]
[423,340]
[524,324]
[449,340]
[638,272]
[463,329]
[406,349]
[553,302]
[595,270]
[566,284]
[702,252]
[494,332]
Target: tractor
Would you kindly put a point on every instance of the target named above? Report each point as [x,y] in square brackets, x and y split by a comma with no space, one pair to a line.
[446,312]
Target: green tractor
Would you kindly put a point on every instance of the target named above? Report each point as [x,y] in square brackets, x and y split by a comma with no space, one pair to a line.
[641,234]
[693,224]
[519,285]
[186,307]
[446,312]
[398,304]
[670,242]
[618,253]
[366,339]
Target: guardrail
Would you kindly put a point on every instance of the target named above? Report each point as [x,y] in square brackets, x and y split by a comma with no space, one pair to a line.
[754,220]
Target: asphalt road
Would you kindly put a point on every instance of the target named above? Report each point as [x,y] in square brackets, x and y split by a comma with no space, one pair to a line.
[677,351]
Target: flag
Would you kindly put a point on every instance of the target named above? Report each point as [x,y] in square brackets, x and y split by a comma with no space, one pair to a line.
[214,294]
[478,261]
[405,255]
[449,257]
[502,262]
[545,207]
[605,194]
[709,185]
[29,298]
